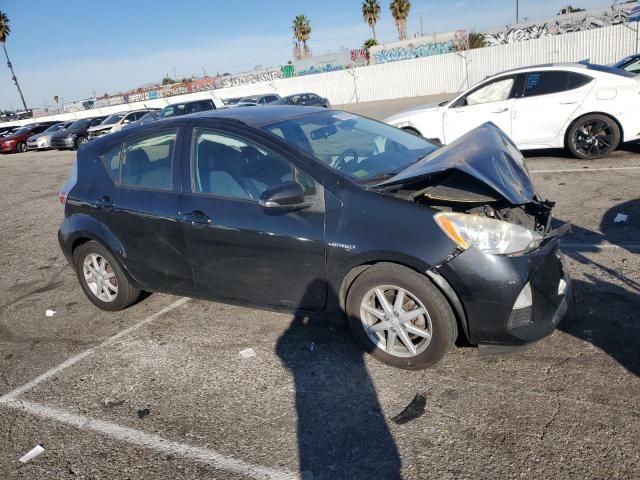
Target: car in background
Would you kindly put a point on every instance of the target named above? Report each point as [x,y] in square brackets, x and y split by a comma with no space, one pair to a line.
[307,99]
[243,104]
[264,99]
[629,64]
[6,131]
[186,108]
[16,142]
[75,134]
[587,109]
[180,205]
[231,101]
[42,141]
[116,122]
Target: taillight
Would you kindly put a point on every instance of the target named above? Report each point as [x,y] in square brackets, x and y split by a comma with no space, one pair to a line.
[69,184]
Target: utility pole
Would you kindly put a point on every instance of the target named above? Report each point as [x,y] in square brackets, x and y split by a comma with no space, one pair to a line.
[421,30]
[517,11]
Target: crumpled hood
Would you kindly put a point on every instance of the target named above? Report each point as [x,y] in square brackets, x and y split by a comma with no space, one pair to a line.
[99,128]
[487,154]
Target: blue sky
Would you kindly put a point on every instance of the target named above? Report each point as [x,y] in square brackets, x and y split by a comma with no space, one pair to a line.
[72,48]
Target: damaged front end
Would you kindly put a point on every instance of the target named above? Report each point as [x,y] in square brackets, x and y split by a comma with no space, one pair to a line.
[481,174]
[506,276]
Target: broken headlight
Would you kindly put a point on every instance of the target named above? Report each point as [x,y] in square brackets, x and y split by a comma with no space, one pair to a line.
[486,234]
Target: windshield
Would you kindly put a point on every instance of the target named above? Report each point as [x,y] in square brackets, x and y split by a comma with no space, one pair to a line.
[355,146]
[172,111]
[54,128]
[21,131]
[149,116]
[111,119]
[80,124]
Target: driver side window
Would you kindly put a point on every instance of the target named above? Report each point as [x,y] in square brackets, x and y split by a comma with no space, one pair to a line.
[228,166]
[493,92]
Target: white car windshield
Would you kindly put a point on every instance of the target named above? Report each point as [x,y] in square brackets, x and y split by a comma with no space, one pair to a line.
[111,119]
[355,146]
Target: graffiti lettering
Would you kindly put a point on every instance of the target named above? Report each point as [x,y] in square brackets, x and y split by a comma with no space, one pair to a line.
[413,51]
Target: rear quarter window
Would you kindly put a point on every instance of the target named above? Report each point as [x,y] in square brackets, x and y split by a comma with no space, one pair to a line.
[545,83]
[111,161]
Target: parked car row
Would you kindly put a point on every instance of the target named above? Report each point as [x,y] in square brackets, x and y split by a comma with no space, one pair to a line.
[70,135]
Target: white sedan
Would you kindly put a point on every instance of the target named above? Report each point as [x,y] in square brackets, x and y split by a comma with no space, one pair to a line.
[587,109]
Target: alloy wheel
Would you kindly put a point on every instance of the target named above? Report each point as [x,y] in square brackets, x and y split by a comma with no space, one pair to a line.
[593,138]
[22,147]
[82,141]
[396,321]
[100,277]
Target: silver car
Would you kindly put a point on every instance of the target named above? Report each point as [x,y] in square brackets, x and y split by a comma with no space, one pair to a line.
[42,141]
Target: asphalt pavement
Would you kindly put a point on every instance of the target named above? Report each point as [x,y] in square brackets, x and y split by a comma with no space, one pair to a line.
[161,390]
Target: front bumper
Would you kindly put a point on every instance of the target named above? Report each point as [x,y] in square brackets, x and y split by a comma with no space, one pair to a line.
[64,143]
[11,148]
[488,286]
[39,145]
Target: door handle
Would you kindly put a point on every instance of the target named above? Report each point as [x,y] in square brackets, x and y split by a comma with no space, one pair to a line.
[500,110]
[105,203]
[568,102]
[197,219]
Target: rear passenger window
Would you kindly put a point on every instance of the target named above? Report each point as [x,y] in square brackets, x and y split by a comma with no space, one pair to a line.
[146,161]
[576,80]
[111,161]
[545,83]
[226,166]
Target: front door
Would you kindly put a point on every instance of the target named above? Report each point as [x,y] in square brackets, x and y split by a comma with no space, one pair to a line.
[490,102]
[238,249]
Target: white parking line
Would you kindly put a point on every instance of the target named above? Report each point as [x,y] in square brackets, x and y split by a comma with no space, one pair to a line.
[82,355]
[569,170]
[150,441]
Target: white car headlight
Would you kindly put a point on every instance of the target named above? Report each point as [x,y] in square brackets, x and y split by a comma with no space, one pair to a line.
[486,234]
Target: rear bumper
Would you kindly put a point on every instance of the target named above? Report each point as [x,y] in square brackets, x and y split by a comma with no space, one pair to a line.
[488,286]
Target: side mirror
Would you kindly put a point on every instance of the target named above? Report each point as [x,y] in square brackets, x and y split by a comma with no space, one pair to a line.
[126,120]
[285,195]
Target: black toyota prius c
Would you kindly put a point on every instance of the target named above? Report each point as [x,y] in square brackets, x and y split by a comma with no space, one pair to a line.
[322,212]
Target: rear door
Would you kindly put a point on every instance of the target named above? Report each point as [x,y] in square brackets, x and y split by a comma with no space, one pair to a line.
[140,206]
[489,102]
[545,105]
[238,249]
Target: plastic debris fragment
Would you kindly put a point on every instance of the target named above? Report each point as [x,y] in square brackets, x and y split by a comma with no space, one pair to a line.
[31,454]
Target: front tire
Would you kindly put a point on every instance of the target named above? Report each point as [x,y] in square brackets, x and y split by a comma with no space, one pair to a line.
[102,278]
[81,141]
[21,147]
[400,317]
[593,136]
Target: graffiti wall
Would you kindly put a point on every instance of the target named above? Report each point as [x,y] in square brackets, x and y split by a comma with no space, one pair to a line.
[574,22]
[247,78]
[414,48]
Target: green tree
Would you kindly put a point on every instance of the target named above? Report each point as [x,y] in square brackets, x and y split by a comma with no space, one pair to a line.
[400,12]
[167,80]
[301,34]
[4,34]
[371,14]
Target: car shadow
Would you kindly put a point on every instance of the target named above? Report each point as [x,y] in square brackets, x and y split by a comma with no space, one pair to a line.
[605,309]
[342,432]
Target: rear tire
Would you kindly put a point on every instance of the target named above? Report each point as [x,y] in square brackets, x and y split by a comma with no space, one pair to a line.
[409,342]
[593,136]
[102,278]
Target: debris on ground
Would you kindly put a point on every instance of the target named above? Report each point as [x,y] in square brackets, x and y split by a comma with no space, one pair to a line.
[620,217]
[31,454]
[414,410]
[247,353]
[143,413]
[111,402]
[50,312]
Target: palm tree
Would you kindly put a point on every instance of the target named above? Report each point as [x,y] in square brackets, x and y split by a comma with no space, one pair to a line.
[400,11]
[371,42]
[4,33]
[301,33]
[371,14]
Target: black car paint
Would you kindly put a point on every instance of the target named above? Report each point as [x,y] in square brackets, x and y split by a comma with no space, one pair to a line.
[252,255]
[59,139]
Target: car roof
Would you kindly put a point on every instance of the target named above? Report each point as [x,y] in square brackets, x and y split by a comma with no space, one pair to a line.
[257,117]
[189,102]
